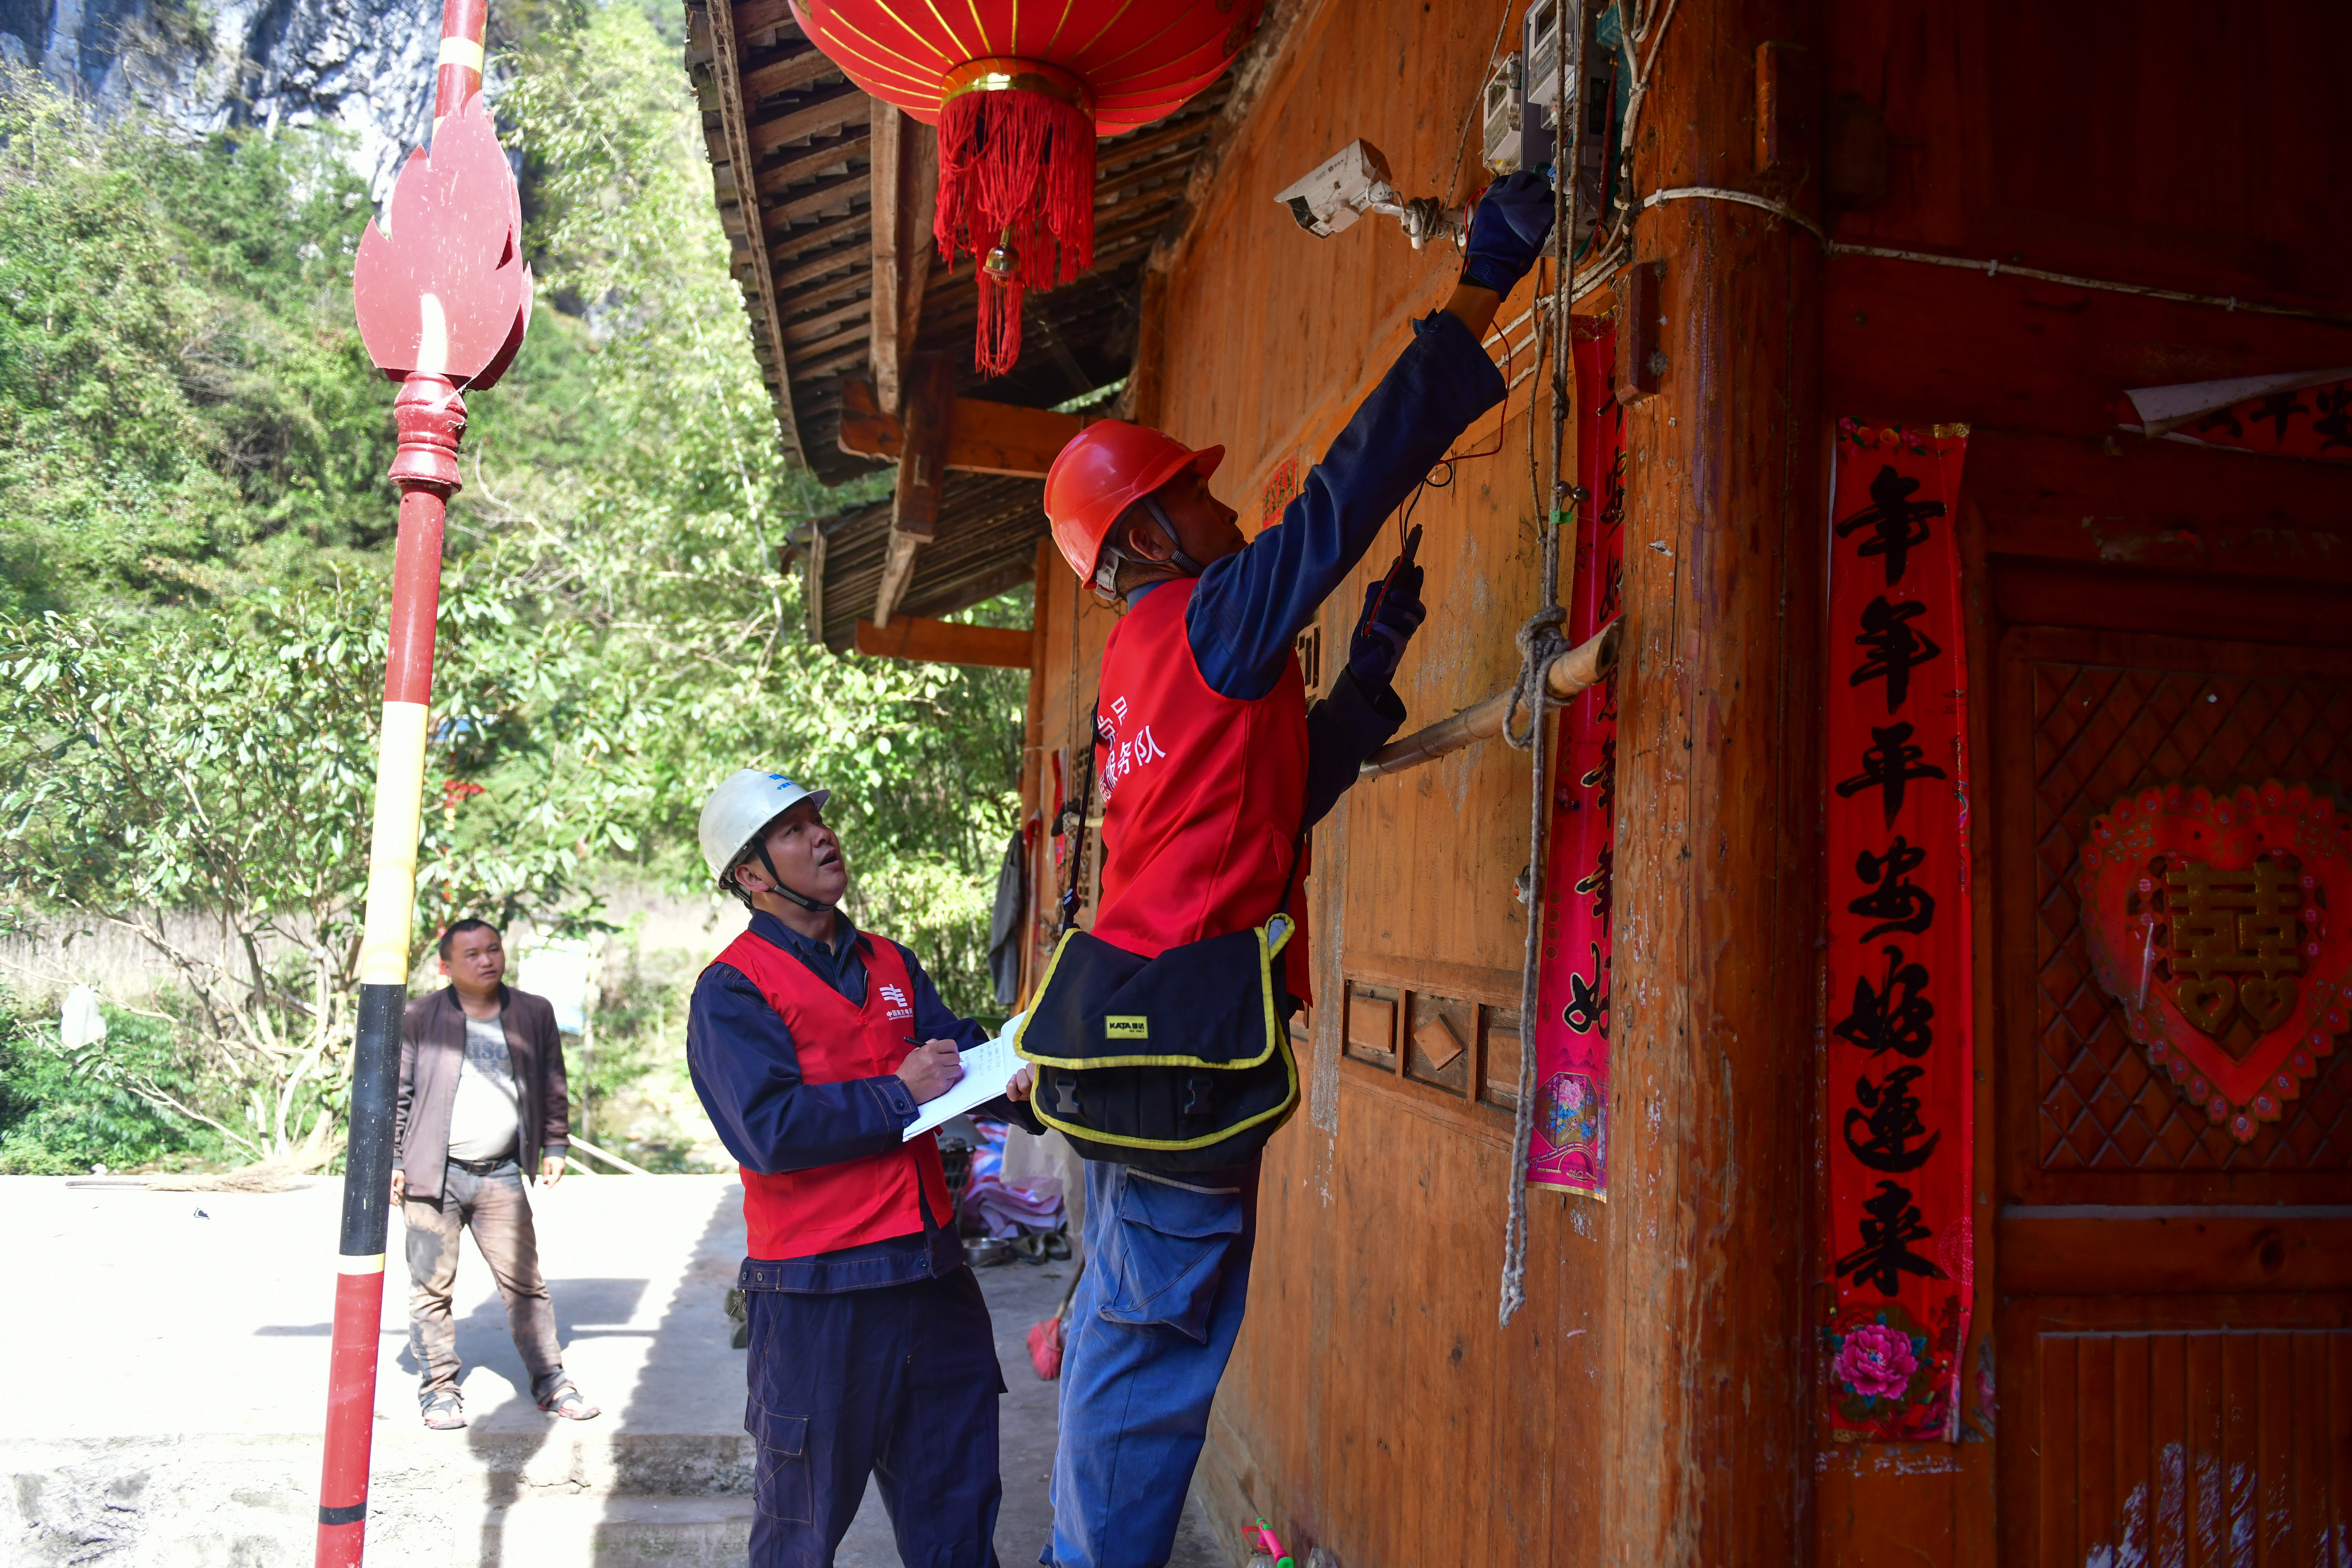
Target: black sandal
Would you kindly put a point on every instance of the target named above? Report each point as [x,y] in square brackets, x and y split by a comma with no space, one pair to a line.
[572,1406]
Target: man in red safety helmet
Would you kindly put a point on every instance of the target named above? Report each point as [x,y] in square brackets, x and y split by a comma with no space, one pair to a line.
[1212,766]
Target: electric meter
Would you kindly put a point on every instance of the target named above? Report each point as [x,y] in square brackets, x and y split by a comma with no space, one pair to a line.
[1515,138]
[1548,21]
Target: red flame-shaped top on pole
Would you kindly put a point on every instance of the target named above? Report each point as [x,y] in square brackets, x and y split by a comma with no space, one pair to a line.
[446,292]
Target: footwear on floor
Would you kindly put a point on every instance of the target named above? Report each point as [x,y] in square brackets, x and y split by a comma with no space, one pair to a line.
[445,1413]
[572,1406]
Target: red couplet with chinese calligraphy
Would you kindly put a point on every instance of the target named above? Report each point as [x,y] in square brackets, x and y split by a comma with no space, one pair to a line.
[1569,1146]
[1898,1100]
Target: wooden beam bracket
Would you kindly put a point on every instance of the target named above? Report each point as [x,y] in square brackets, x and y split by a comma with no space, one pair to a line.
[926,642]
[982,438]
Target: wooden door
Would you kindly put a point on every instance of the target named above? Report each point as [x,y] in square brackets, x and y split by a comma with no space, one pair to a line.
[2173,1328]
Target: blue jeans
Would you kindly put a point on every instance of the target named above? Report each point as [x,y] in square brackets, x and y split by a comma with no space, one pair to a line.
[1151,1327]
[899,1383]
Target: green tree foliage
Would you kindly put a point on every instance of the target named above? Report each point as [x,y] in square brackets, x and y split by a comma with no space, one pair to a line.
[64,1110]
[194,554]
[224,764]
[181,384]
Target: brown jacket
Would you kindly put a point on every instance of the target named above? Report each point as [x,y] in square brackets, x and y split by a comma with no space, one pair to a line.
[433,1048]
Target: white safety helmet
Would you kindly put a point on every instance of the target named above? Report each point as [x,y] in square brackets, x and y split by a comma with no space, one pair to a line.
[737,811]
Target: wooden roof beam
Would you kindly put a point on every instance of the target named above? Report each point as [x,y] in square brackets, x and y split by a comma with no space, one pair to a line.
[726,58]
[982,438]
[922,471]
[792,71]
[773,181]
[808,203]
[785,242]
[818,329]
[754,20]
[816,297]
[946,643]
[820,116]
[905,182]
[824,265]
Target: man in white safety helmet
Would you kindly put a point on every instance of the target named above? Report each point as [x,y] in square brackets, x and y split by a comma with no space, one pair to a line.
[810,1045]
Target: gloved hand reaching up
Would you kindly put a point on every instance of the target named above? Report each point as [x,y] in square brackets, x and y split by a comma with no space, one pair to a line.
[1392,613]
[1509,230]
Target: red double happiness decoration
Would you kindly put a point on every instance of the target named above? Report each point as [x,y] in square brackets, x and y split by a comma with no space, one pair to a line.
[1899,1097]
[1569,1146]
[2218,922]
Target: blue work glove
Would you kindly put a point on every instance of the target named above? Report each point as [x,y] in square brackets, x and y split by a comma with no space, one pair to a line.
[1507,231]
[1392,613]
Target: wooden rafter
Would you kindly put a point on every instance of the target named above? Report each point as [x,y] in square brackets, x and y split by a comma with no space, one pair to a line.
[813,117]
[788,243]
[834,193]
[791,73]
[905,177]
[777,178]
[728,67]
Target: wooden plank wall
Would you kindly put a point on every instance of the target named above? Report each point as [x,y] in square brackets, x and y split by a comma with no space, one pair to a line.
[2037,135]
[1374,1407]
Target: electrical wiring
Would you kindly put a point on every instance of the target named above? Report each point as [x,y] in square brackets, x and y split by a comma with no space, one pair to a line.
[1991,266]
[1718,193]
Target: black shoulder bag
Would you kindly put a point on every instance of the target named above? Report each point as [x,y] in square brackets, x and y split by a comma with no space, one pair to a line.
[1180,1063]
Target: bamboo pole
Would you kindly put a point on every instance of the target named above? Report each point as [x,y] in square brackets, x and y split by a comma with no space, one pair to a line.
[1574,670]
[430,418]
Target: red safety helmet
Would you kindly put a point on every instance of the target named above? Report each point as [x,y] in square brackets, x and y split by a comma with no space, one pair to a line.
[1106,468]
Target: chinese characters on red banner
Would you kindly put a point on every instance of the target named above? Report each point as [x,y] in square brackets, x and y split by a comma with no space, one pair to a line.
[1569,1147]
[1898,1103]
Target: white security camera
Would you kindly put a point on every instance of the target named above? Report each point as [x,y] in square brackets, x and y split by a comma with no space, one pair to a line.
[1355,181]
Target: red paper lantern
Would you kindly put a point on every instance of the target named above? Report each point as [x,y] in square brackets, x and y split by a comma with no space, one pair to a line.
[1019,92]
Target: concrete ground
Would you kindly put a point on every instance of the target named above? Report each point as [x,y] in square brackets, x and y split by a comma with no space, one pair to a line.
[166,1379]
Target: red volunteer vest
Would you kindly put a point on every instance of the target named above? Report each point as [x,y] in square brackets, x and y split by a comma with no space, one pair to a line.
[1202,794]
[800,1213]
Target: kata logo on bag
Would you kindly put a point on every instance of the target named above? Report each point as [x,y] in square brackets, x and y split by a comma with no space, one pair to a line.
[1129,1027]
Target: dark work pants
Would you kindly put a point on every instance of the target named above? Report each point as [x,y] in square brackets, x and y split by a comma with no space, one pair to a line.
[900,1382]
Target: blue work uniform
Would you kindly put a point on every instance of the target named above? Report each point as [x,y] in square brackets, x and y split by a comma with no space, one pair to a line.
[1167,1253]
[873,1359]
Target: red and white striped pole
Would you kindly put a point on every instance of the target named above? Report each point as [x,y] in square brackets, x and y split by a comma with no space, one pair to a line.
[442,302]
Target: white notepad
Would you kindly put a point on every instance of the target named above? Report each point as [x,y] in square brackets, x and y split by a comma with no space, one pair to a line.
[987,1068]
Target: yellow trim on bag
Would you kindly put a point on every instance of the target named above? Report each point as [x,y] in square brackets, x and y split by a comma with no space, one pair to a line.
[1289,1103]
[1274,1032]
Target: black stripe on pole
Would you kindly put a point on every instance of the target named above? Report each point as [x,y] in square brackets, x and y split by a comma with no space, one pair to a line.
[367,1161]
[351,1513]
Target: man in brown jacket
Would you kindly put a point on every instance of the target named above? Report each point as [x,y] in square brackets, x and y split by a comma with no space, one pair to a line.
[482,1100]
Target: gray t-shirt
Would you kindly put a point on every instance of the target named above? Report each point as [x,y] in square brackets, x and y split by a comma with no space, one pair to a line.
[485,1120]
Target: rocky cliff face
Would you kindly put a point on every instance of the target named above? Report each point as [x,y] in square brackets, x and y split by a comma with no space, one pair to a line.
[365,65]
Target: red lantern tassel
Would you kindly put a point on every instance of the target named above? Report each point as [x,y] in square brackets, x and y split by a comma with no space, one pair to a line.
[1017,192]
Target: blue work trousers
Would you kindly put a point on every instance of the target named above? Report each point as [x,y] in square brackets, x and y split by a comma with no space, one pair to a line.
[1151,1330]
[900,1382]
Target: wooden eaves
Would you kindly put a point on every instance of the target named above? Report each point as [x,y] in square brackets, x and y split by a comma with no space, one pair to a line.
[827,196]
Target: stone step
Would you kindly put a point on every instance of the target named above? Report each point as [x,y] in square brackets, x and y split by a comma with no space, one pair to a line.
[607,1531]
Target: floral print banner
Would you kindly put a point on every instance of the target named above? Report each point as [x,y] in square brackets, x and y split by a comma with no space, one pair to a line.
[1899,1100]
[1570,1149]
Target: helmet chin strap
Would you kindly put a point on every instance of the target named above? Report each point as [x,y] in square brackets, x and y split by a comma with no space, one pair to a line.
[810,905]
[1176,556]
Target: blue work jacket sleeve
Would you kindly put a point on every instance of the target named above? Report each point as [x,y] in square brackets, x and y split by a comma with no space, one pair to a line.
[1350,723]
[747,1072]
[1251,605]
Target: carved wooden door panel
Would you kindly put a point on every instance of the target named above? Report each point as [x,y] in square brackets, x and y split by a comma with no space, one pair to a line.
[2173,1333]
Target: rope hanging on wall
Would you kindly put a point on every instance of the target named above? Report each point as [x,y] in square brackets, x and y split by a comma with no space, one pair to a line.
[1539,643]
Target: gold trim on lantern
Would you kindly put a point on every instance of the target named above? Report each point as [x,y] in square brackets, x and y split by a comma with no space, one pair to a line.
[1003,73]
